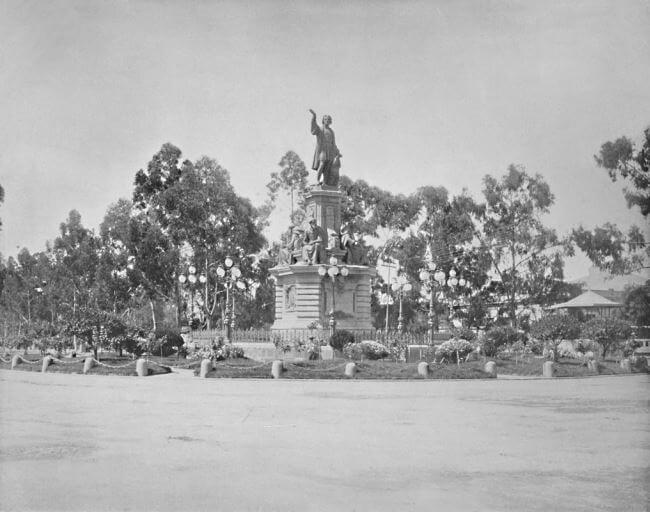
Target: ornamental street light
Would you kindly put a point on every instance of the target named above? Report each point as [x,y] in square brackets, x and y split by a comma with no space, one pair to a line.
[190,280]
[230,273]
[333,270]
[386,300]
[400,286]
[432,279]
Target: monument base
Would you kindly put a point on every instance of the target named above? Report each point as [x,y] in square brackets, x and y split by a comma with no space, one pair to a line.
[304,297]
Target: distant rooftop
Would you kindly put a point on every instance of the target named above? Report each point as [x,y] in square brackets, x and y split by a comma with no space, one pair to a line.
[588,299]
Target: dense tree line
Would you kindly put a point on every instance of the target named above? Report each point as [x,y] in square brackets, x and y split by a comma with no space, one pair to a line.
[184,219]
[125,278]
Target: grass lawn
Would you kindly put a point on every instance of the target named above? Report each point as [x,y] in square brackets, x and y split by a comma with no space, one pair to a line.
[563,368]
[334,369]
[114,366]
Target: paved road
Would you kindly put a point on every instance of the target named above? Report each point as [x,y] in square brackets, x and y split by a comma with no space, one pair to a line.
[75,442]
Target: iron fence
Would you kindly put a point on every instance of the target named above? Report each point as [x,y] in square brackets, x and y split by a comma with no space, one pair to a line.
[305,335]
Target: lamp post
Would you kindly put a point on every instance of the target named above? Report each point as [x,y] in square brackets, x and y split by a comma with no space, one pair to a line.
[231,274]
[431,279]
[333,270]
[190,279]
[401,286]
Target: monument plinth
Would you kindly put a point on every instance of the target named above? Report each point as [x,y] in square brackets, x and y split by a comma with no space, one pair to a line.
[305,292]
[303,296]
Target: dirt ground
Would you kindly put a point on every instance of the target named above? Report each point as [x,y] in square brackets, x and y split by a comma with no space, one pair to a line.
[177,443]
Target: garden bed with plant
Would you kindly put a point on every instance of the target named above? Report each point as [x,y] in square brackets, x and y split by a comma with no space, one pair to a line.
[334,369]
[107,366]
[564,367]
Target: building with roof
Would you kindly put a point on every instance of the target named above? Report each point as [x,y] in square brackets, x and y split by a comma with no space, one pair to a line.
[590,305]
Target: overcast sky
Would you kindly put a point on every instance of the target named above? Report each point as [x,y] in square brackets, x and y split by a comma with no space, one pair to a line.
[421,93]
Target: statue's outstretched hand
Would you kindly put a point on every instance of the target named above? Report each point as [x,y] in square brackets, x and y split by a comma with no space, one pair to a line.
[312,112]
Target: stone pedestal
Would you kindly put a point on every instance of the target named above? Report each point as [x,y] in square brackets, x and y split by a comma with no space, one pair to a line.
[324,205]
[206,366]
[548,371]
[141,367]
[303,296]
[89,363]
[277,368]
[326,353]
[491,368]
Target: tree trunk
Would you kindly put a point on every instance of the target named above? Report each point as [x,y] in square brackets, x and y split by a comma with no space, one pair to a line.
[153,314]
[179,319]
[513,290]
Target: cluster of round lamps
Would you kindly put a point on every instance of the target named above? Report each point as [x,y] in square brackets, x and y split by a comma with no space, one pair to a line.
[235,274]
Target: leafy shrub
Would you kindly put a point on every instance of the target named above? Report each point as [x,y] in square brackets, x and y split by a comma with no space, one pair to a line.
[518,349]
[228,352]
[398,350]
[310,348]
[535,346]
[219,352]
[160,346]
[20,342]
[555,328]
[453,350]
[630,346]
[583,346]
[463,333]
[170,340]
[353,351]
[281,343]
[365,350]
[132,341]
[608,332]
[340,339]
[565,349]
[429,353]
[496,337]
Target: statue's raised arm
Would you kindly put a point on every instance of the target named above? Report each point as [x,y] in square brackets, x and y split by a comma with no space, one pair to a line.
[326,155]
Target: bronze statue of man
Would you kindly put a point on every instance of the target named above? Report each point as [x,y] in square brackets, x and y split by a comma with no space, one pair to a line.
[314,243]
[326,156]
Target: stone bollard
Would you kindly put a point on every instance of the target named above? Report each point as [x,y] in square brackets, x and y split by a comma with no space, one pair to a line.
[423,369]
[592,365]
[350,369]
[548,370]
[15,361]
[625,365]
[491,368]
[47,361]
[141,367]
[206,366]
[89,363]
[277,368]
[326,353]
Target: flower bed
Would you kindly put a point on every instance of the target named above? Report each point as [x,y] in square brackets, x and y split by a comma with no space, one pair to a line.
[334,369]
[109,366]
[565,367]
